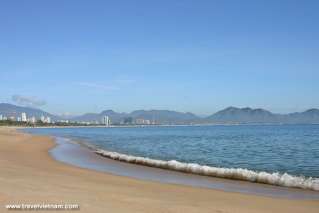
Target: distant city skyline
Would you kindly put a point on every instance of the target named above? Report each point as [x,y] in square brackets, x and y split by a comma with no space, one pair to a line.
[12,114]
[73,57]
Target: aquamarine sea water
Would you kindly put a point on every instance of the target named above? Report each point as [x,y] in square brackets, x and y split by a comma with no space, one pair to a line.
[292,149]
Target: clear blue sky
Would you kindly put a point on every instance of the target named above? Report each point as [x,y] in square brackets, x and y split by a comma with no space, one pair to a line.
[198,56]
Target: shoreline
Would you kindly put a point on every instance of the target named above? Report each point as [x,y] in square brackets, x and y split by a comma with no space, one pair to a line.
[161,125]
[80,154]
[237,174]
[29,174]
[264,177]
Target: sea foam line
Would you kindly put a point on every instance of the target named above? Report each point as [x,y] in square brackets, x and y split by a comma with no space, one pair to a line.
[276,178]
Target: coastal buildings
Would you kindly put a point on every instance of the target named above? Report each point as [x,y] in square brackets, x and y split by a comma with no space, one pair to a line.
[32,120]
[45,119]
[106,121]
[141,121]
[42,118]
[64,121]
[23,117]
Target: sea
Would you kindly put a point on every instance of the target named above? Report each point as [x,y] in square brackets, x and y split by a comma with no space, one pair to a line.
[281,155]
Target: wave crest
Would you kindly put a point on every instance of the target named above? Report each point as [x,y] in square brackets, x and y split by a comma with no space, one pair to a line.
[276,178]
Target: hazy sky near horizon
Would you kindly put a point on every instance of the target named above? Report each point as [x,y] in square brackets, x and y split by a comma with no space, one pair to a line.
[199,56]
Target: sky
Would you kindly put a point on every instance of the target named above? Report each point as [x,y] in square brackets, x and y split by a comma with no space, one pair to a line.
[71,57]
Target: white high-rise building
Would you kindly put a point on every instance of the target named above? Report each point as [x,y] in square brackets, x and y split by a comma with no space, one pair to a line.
[106,121]
[42,118]
[45,119]
[1,117]
[23,117]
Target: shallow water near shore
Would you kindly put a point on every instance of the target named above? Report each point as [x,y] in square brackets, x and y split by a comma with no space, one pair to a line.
[292,149]
[71,152]
[284,155]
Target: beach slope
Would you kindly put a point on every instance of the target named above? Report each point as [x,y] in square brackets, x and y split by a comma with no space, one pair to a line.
[29,175]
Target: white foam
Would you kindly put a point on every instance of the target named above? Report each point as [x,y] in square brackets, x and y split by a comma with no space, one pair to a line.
[278,179]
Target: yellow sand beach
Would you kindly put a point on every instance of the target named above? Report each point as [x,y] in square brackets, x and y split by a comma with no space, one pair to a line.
[28,175]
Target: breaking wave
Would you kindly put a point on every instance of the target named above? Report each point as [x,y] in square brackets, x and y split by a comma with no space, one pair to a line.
[276,178]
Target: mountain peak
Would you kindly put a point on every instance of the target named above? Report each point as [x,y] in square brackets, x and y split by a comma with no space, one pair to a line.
[9,110]
[246,114]
[230,108]
[313,110]
[109,111]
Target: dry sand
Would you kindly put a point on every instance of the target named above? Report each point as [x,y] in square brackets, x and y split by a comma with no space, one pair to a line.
[29,175]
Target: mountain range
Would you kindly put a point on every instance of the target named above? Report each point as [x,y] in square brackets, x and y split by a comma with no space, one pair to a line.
[159,116]
[249,115]
[9,110]
[230,115]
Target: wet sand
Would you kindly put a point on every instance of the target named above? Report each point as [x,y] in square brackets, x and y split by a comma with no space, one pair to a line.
[30,175]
